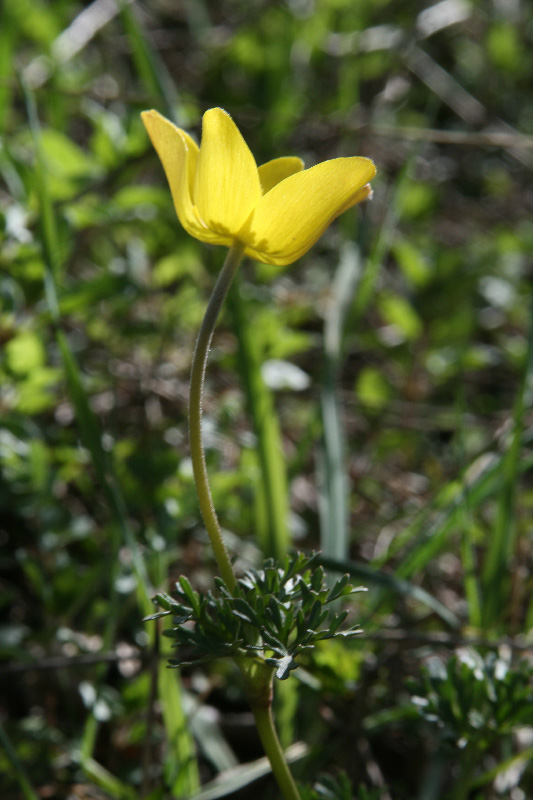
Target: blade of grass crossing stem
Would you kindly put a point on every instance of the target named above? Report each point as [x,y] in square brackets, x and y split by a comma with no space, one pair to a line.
[333,510]
[273,484]
[390,584]
[107,781]
[231,781]
[28,792]
[501,544]
[102,463]
[150,67]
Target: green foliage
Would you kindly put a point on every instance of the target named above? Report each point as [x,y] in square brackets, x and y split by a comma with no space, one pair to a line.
[274,615]
[475,700]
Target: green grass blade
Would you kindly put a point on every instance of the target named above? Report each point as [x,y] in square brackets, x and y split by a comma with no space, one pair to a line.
[332,482]
[519,761]
[107,781]
[273,486]
[209,736]
[430,531]
[182,774]
[8,39]
[391,583]
[467,542]
[352,293]
[226,784]
[470,570]
[151,68]
[501,545]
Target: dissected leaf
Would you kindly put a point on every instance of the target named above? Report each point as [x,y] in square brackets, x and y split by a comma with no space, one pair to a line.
[275,609]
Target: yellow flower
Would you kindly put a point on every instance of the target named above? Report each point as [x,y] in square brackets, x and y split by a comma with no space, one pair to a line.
[277,211]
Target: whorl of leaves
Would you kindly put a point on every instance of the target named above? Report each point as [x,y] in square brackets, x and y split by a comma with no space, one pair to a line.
[274,614]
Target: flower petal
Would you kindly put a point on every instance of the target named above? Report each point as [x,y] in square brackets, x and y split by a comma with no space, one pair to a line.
[358,197]
[296,212]
[226,188]
[178,154]
[277,170]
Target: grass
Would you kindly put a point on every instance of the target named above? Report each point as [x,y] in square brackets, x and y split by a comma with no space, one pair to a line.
[405,452]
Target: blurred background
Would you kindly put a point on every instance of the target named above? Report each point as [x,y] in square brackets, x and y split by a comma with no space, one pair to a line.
[372,400]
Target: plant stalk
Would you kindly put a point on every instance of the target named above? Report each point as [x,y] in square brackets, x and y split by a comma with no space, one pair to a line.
[259,683]
[199,363]
[258,680]
[271,744]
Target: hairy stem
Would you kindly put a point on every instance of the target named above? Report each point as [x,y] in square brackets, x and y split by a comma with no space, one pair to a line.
[199,363]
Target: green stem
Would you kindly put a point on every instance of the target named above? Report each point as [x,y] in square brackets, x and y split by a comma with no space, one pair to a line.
[199,363]
[259,683]
[269,738]
[258,680]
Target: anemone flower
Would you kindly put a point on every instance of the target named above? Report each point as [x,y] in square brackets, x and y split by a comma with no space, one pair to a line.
[273,213]
[277,211]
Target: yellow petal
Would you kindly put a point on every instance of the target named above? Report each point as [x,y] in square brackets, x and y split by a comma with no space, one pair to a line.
[226,188]
[296,212]
[178,154]
[358,197]
[277,170]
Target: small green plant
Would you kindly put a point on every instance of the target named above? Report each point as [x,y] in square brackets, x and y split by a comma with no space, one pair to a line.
[473,698]
[273,214]
[476,703]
